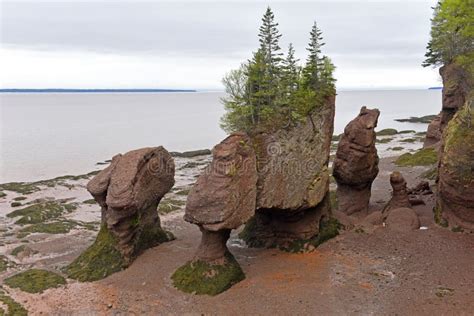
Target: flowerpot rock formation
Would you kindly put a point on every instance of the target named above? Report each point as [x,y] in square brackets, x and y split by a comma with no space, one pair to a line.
[128,192]
[293,183]
[356,163]
[455,206]
[223,198]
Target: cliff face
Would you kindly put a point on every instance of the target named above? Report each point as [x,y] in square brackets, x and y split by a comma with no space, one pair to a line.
[456,171]
[456,88]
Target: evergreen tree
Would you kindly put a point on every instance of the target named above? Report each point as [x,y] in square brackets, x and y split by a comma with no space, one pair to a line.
[269,38]
[291,71]
[311,71]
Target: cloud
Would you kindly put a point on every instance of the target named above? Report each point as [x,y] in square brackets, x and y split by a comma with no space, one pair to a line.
[145,36]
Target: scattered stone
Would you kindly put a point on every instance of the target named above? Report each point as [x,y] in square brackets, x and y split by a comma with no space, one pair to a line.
[356,163]
[128,191]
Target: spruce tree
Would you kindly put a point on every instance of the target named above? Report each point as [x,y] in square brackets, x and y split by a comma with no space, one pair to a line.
[314,61]
[269,38]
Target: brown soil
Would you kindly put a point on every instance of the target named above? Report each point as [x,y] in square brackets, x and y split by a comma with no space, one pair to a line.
[427,272]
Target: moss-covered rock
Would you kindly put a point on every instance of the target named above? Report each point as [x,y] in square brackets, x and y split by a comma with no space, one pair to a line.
[90,201]
[383,140]
[169,205]
[35,280]
[22,249]
[423,157]
[99,260]
[41,212]
[56,227]
[103,258]
[5,263]
[201,277]
[2,194]
[387,132]
[13,307]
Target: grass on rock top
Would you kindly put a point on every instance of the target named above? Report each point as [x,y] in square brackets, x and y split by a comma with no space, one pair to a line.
[35,280]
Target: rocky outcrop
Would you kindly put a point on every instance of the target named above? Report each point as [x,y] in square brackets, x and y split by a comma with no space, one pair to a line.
[223,198]
[356,163]
[456,87]
[402,220]
[455,203]
[399,192]
[128,191]
[293,181]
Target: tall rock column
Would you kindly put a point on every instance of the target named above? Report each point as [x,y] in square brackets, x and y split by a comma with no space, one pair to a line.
[456,171]
[128,191]
[356,163]
[293,184]
[455,93]
[222,199]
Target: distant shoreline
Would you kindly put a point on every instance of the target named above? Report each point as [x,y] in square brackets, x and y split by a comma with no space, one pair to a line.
[92,90]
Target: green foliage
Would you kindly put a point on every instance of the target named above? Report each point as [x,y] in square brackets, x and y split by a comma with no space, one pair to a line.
[452,34]
[270,92]
[423,157]
[35,280]
[201,277]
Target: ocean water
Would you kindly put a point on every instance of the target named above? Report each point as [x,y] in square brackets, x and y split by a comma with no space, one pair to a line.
[48,135]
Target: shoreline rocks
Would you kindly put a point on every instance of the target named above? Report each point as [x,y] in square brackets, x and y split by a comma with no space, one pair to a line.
[128,192]
[356,164]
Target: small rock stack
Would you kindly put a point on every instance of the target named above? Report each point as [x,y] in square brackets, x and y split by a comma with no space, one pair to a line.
[399,192]
[356,163]
[128,191]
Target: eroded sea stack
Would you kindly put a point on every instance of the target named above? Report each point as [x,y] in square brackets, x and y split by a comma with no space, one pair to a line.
[455,205]
[455,93]
[356,163]
[223,198]
[399,192]
[128,191]
[293,184]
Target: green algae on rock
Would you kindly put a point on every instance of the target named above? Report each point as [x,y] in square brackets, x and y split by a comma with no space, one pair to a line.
[423,157]
[22,249]
[387,132]
[40,212]
[98,261]
[35,280]
[201,277]
[13,307]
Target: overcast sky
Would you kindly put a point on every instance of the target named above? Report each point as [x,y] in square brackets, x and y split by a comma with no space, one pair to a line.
[192,44]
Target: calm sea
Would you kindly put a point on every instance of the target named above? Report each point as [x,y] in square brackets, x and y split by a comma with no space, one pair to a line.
[48,135]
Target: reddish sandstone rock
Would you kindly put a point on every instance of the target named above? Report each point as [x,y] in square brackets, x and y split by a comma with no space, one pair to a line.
[402,220]
[224,196]
[456,172]
[433,134]
[356,163]
[293,181]
[128,191]
[399,192]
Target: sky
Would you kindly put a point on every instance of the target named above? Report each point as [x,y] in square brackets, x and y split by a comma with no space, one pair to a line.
[193,44]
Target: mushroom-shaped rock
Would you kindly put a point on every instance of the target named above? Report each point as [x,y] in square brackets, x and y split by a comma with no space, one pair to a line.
[356,163]
[128,191]
[456,172]
[222,199]
[402,220]
[293,181]
[399,192]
